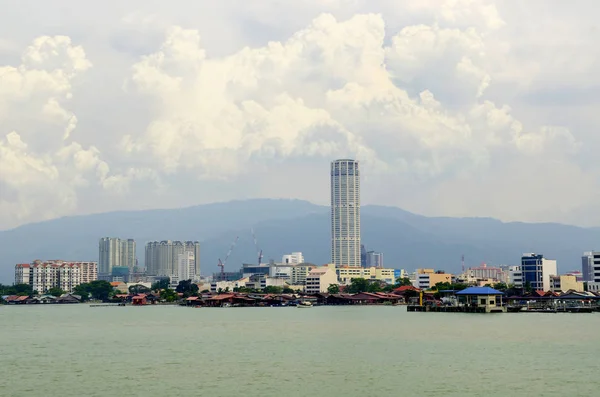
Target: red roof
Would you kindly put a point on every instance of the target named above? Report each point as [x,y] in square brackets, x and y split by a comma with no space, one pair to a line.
[405,288]
[222,297]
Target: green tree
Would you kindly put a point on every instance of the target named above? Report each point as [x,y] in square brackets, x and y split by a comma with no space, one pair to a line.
[169,295]
[333,289]
[161,284]
[271,289]
[402,281]
[97,289]
[187,288]
[17,289]
[374,286]
[358,285]
[139,289]
[287,290]
[82,290]
[55,291]
[500,287]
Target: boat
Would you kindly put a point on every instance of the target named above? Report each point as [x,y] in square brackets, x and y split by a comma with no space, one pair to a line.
[304,304]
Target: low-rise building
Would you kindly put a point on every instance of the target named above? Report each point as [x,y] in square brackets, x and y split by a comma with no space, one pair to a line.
[515,276]
[593,286]
[260,281]
[345,274]
[428,278]
[483,272]
[319,280]
[228,285]
[565,283]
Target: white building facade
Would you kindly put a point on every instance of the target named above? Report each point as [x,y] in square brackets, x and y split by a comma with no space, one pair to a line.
[116,252]
[345,213]
[186,269]
[162,257]
[293,258]
[590,267]
[319,280]
[42,276]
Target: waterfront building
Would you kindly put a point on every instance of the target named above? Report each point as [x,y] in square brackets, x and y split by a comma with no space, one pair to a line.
[162,257]
[261,281]
[294,257]
[374,259]
[428,278]
[345,213]
[345,274]
[593,286]
[228,285]
[299,273]
[537,270]
[116,252]
[42,276]
[515,276]
[319,280]
[485,298]
[564,283]
[488,272]
[289,272]
[590,266]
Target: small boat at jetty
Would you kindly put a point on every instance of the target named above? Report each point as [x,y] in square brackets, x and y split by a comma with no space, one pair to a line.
[304,304]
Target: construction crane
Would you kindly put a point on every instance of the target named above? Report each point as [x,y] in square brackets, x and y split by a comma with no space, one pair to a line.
[222,264]
[260,254]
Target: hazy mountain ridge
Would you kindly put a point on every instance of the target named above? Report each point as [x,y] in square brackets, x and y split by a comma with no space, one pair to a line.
[282,226]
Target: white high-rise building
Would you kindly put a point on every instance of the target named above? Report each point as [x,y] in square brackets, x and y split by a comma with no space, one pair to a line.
[43,276]
[294,257]
[590,267]
[115,252]
[345,213]
[186,269]
[162,257]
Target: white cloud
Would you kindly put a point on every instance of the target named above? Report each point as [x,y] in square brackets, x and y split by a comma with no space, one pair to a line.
[432,95]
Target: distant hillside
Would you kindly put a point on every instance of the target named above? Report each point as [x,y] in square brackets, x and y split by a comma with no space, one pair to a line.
[282,226]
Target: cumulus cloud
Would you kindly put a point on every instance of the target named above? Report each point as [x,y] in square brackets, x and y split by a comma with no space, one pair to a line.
[41,180]
[423,93]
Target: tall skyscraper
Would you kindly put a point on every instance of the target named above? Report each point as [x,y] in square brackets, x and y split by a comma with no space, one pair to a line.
[345,213]
[115,252]
[162,257]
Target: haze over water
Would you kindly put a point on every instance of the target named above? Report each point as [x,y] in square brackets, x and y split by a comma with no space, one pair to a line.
[326,351]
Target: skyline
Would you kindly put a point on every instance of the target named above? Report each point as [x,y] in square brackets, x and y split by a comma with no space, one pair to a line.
[454,108]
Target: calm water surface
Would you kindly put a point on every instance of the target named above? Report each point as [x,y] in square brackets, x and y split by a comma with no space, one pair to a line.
[323,351]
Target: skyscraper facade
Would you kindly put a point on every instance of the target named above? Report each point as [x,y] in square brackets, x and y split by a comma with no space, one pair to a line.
[162,257]
[116,252]
[345,213]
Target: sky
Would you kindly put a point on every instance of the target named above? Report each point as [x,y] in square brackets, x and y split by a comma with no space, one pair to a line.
[453,108]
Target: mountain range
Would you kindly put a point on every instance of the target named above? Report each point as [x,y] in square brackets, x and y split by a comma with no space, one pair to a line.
[407,240]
